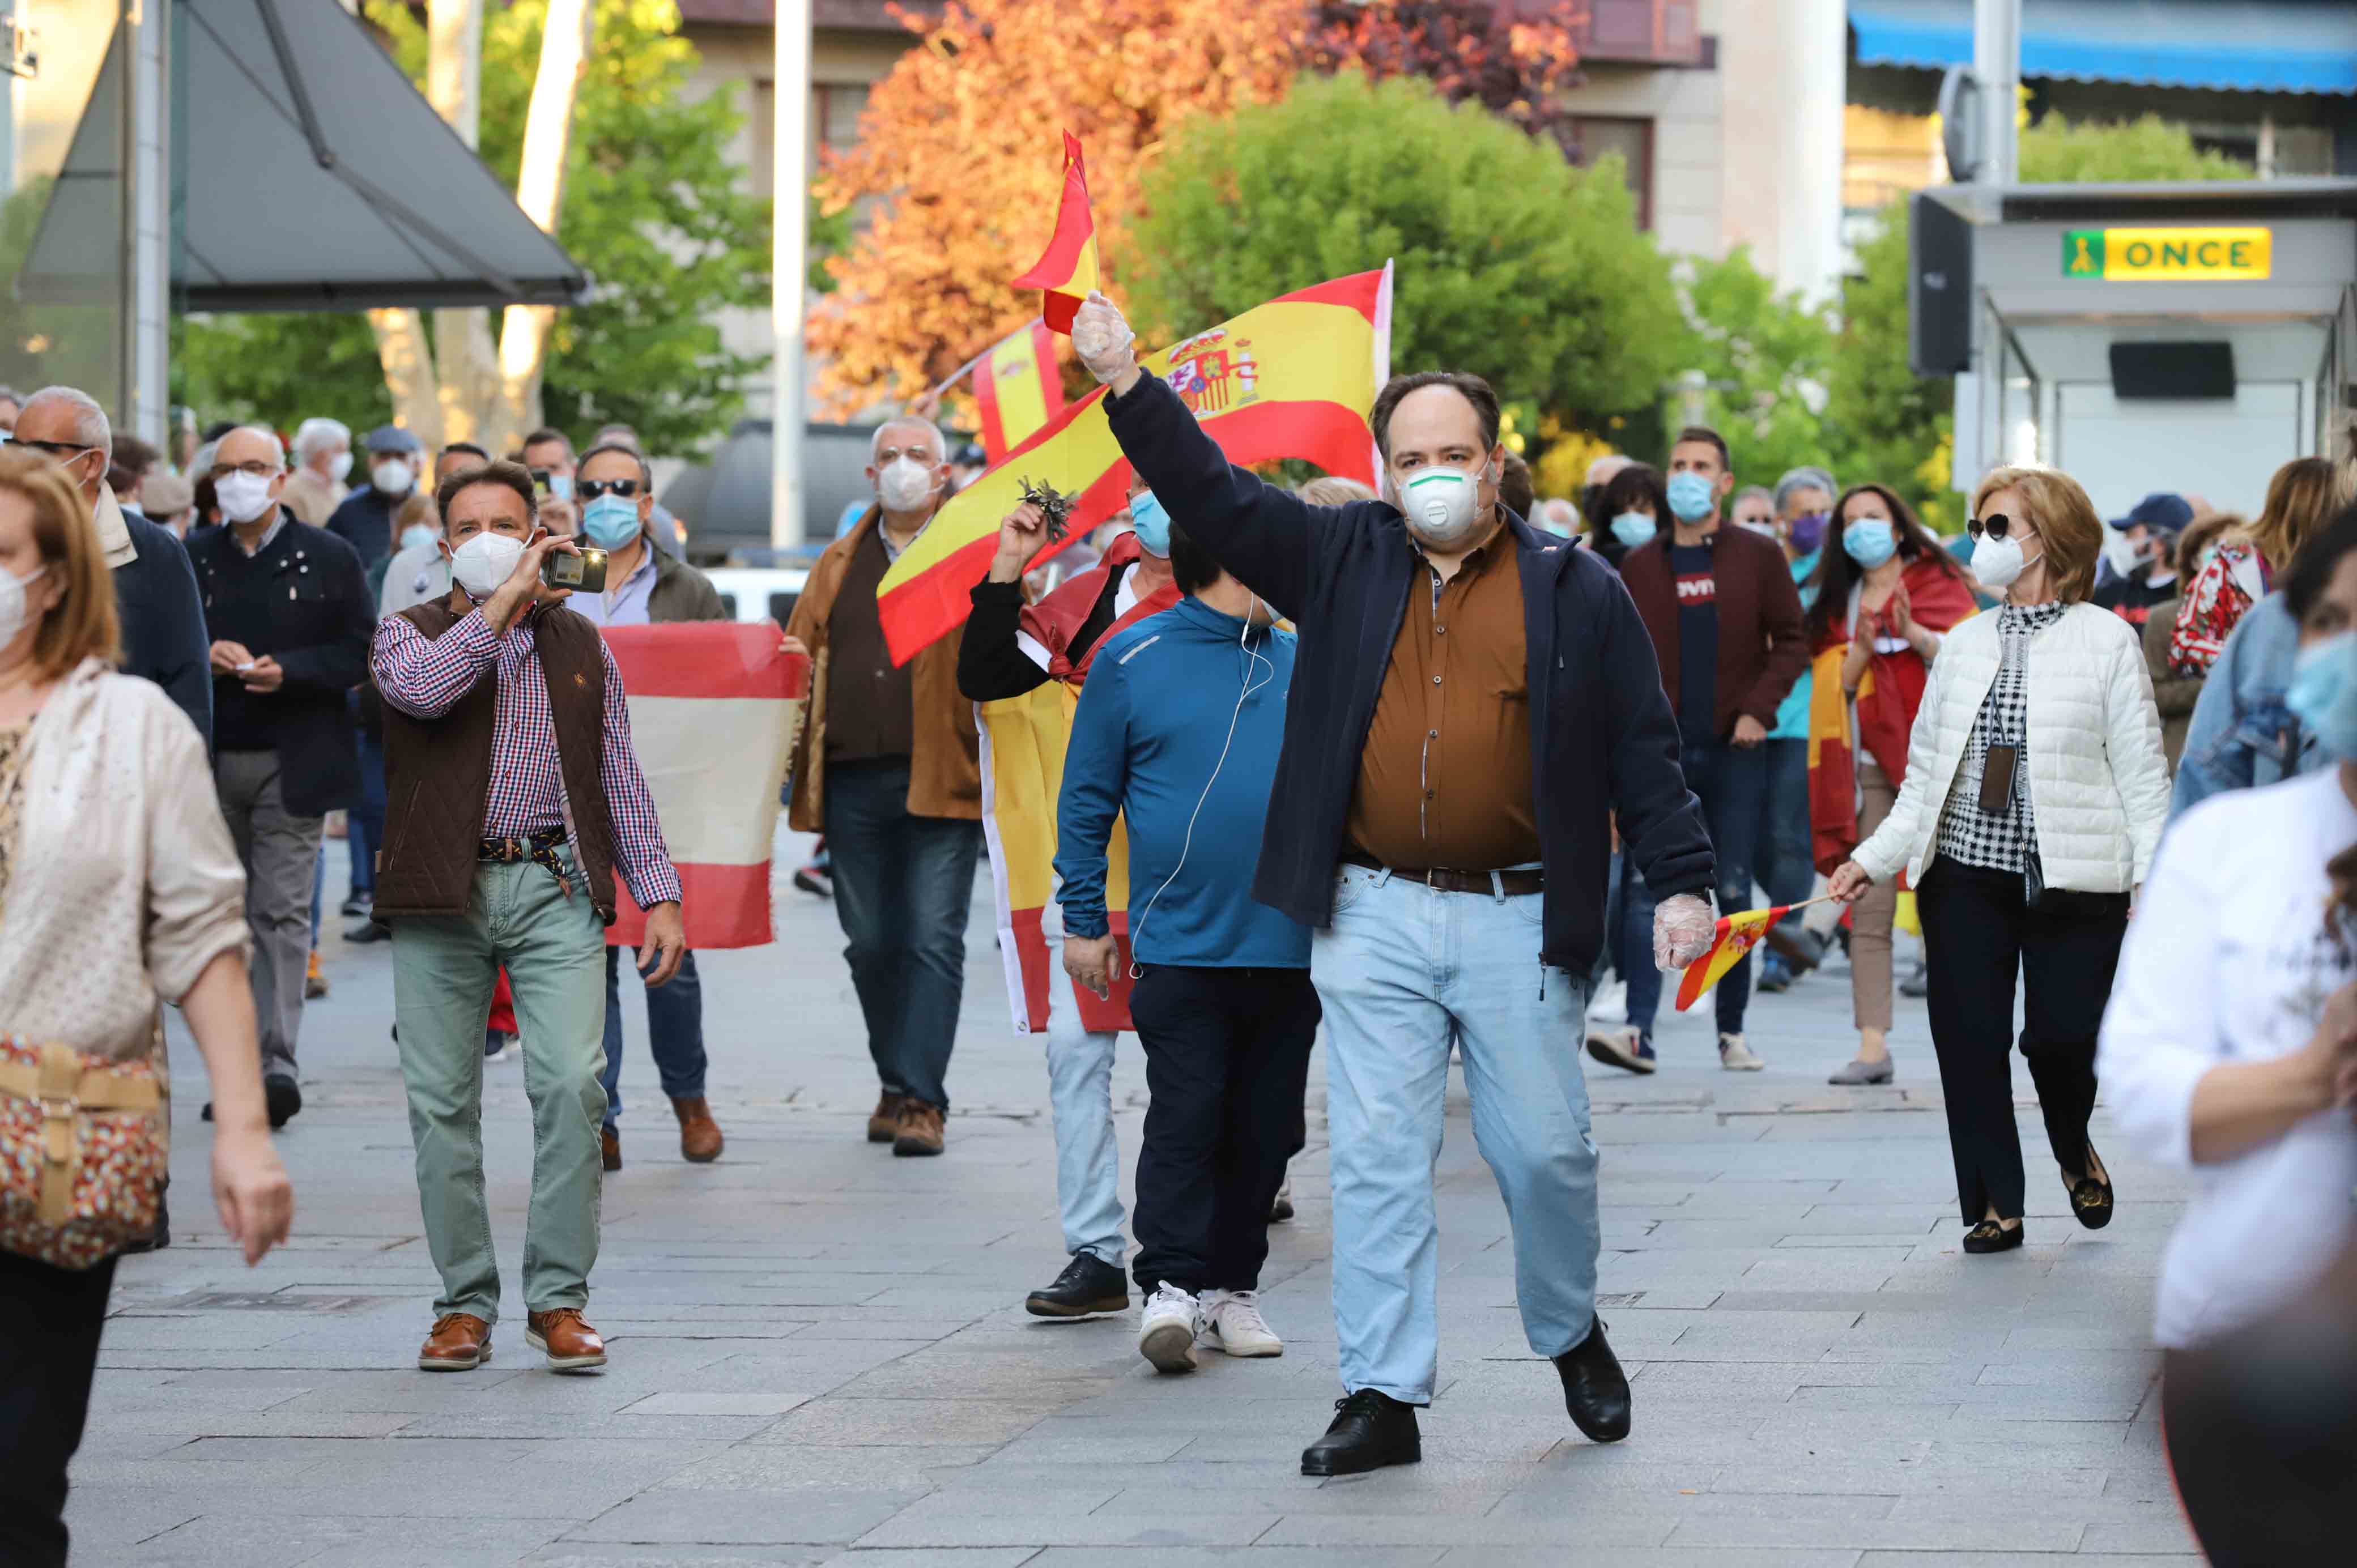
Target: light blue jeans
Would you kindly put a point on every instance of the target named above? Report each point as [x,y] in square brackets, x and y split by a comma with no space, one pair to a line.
[1080,1097]
[1404,972]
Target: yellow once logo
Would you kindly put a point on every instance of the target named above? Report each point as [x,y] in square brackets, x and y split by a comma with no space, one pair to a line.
[2168,256]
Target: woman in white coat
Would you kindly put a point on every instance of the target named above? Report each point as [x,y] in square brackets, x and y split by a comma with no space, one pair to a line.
[2034,800]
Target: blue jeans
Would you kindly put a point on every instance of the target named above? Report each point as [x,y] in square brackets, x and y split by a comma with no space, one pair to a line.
[903,885]
[1403,974]
[674,1032]
[364,823]
[1731,781]
[1784,864]
[1080,1097]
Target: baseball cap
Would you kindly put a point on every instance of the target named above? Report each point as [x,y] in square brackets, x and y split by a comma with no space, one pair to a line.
[392,438]
[2163,511]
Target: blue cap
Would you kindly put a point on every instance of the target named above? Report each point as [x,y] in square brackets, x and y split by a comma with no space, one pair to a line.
[392,438]
[2162,510]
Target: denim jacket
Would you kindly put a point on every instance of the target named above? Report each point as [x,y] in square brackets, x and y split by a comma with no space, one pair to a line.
[2242,735]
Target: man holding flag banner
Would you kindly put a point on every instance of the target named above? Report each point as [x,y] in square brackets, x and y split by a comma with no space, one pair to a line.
[1475,701]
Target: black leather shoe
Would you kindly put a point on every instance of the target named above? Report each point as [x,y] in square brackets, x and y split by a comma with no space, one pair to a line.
[1088,1284]
[1371,1430]
[1595,1389]
[285,1097]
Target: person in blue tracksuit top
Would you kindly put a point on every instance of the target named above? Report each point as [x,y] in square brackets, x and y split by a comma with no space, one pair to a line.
[1177,731]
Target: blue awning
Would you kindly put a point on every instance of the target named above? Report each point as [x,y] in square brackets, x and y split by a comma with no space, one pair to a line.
[2235,46]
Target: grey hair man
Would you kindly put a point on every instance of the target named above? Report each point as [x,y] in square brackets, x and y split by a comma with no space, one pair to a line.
[163,624]
[323,459]
[1804,503]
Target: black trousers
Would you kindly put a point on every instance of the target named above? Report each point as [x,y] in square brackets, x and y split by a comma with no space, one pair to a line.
[1977,935]
[49,1323]
[1227,1063]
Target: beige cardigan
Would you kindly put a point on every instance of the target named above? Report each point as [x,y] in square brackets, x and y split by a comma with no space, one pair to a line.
[124,885]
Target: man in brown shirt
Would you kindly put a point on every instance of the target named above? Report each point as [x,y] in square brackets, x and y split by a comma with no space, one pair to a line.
[888,769]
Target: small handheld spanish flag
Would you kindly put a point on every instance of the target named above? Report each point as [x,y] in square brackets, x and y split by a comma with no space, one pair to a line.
[1731,944]
[1069,270]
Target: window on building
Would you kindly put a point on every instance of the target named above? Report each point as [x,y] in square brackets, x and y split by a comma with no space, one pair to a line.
[835,108]
[1633,140]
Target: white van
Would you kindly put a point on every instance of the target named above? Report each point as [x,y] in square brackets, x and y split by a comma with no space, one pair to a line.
[760,592]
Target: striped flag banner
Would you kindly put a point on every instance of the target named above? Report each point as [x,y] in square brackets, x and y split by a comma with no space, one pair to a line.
[714,706]
[1731,944]
[1016,388]
[1068,270]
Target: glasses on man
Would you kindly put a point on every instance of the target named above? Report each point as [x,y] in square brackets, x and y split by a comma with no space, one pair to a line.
[59,448]
[1997,525]
[255,467]
[590,489]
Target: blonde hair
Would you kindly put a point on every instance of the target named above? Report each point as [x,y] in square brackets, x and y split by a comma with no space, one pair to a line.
[1332,490]
[2065,519]
[83,624]
[2302,495]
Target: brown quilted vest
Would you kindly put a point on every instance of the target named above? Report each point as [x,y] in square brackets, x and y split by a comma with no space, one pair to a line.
[439,771]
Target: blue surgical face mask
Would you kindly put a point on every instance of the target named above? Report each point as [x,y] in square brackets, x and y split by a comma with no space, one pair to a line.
[418,536]
[1634,528]
[1869,541]
[2323,693]
[1151,524]
[1692,497]
[610,522]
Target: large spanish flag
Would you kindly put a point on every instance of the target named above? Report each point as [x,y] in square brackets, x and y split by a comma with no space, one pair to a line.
[1731,944]
[713,710]
[1294,378]
[1069,270]
[1018,389]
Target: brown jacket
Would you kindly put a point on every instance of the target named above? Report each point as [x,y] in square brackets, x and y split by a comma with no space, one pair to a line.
[439,771]
[946,768]
[1761,647]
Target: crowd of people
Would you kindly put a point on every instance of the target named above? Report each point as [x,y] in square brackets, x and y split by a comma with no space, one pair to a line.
[1505,759]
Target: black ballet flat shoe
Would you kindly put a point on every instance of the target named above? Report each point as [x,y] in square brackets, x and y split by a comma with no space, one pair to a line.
[1989,1236]
[2091,1200]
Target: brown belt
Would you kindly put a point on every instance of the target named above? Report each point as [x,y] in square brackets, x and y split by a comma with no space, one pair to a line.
[1513,883]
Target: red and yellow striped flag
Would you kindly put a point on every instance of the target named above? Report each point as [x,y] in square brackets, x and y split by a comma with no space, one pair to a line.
[1069,269]
[1294,378]
[1018,389]
[1732,943]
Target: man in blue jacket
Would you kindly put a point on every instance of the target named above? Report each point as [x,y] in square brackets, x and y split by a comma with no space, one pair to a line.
[1177,731]
[1474,702]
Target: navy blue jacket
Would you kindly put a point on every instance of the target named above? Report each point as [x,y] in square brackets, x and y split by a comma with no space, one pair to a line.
[162,622]
[1604,741]
[363,519]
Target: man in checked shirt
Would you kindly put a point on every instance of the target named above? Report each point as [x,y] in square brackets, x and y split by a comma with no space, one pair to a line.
[513,804]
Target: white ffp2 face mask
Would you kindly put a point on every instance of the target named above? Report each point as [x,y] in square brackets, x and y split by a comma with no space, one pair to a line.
[904,484]
[1442,505]
[484,561]
[392,476]
[1998,562]
[243,497]
[339,466]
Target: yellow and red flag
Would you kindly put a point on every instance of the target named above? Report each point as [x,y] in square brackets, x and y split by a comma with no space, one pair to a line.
[1294,378]
[1069,270]
[1732,943]
[1018,389]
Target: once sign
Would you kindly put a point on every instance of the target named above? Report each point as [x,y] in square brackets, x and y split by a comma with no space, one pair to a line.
[2167,255]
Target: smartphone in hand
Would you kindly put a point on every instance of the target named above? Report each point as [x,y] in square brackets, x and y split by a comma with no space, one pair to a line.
[584,572]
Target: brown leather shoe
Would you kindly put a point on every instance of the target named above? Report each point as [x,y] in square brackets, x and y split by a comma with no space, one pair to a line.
[570,1344]
[699,1135]
[884,1122]
[920,1132]
[460,1343]
[609,1142]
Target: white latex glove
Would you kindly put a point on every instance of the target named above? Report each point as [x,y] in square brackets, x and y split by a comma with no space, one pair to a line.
[1101,339]
[1683,927]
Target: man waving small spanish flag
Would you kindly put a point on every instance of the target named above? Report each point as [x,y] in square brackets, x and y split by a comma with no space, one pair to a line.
[1068,271]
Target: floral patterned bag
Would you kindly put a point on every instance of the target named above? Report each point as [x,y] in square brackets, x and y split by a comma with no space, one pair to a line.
[82,1156]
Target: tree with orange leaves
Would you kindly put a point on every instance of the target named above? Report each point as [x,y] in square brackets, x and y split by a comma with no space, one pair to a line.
[958,150]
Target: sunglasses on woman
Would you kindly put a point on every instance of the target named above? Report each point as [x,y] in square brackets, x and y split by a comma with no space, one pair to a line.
[1997,525]
[590,489]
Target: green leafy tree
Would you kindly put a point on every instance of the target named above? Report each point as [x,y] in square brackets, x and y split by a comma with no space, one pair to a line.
[1883,422]
[1764,356]
[1512,263]
[653,212]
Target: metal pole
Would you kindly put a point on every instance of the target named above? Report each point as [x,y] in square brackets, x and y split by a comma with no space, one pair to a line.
[1997,65]
[788,265]
[147,180]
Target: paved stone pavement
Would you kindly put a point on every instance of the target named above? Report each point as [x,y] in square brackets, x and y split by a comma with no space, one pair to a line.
[820,1355]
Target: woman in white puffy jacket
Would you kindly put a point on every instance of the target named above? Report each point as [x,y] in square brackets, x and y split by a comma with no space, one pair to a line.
[2034,800]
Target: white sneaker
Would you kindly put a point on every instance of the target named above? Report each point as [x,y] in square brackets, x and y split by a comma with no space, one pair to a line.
[1167,1337]
[1737,1056]
[1233,1324]
[1612,1004]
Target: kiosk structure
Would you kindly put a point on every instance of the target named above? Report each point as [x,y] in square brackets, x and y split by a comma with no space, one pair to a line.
[2168,337]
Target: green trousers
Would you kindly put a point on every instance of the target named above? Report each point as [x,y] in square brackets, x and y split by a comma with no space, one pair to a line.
[444,969]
